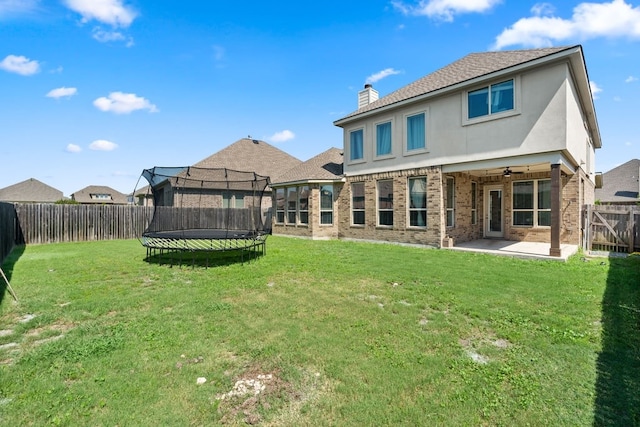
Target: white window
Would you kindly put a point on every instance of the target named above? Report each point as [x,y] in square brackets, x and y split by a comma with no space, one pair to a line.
[232,200]
[532,203]
[474,203]
[303,204]
[491,99]
[383,139]
[280,202]
[357,203]
[292,204]
[451,201]
[385,203]
[326,204]
[416,132]
[418,202]
[356,145]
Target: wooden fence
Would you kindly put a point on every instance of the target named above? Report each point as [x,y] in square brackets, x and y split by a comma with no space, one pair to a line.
[48,223]
[612,228]
[8,228]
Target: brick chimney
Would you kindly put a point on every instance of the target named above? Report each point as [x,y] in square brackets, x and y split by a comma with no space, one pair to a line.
[367,96]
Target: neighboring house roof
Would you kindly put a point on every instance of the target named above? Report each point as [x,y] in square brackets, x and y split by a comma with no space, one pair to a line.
[30,190]
[475,66]
[326,166]
[251,155]
[621,184]
[99,194]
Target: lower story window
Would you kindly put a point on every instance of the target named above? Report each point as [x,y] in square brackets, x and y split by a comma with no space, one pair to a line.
[357,203]
[292,204]
[280,205]
[418,202]
[385,203]
[303,204]
[474,203]
[451,201]
[532,203]
[326,204]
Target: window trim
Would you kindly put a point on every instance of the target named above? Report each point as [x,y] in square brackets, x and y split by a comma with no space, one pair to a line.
[284,202]
[451,209]
[300,210]
[348,145]
[363,210]
[474,203]
[405,132]
[410,209]
[375,144]
[321,209]
[495,116]
[286,206]
[378,209]
[534,210]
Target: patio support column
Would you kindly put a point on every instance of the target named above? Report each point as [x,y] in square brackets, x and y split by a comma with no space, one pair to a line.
[556,217]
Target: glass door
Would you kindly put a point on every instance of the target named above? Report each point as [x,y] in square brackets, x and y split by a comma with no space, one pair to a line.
[494,218]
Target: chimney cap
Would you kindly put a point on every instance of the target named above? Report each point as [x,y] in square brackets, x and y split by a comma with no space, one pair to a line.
[367,85]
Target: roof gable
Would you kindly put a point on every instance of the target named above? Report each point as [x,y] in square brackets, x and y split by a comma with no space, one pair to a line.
[621,184]
[326,166]
[99,194]
[467,68]
[30,190]
[252,155]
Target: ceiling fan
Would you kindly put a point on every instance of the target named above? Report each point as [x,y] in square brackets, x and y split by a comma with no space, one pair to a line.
[508,172]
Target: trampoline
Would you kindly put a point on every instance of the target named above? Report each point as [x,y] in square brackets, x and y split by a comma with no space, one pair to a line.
[204,210]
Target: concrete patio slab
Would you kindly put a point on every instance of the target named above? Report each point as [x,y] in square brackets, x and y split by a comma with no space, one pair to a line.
[527,250]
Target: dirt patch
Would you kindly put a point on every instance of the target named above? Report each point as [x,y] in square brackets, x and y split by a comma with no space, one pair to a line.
[253,392]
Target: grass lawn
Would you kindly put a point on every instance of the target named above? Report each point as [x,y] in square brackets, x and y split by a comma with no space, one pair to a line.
[318,333]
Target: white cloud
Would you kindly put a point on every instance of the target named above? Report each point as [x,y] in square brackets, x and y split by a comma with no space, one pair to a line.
[62,92]
[589,20]
[124,103]
[112,12]
[103,145]
[595,89]
[445,9]
[283,136]
[218,52]
[631,79]
[20,65]
[73,148]
[540,9]
[381,75]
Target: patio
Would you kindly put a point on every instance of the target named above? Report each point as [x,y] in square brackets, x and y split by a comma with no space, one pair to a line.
[527,250]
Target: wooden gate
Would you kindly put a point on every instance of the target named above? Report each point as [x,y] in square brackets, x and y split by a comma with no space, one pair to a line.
[612,228]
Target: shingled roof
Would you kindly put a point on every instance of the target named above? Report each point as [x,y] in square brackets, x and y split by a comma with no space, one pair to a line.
[621,184]
[326,166]
[251,155]
[467,68]
[30,191]
[92,193]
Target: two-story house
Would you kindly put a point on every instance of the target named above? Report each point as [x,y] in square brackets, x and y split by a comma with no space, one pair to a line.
[495,145]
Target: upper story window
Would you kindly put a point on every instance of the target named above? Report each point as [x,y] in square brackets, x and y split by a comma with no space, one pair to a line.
[383,139]
[356,144]
[416,132]
[491,99]
[98,196]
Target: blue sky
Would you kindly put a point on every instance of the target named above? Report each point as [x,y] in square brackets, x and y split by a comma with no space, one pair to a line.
[94,91]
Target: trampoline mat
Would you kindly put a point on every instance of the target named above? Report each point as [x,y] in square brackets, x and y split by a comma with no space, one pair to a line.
[202,234]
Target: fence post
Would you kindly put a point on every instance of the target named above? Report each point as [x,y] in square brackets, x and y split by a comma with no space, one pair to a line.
[630,229]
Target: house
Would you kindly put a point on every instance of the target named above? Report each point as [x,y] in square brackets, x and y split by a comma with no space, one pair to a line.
[99,195]
[244,155]
[621,185]
[495,145]
[30,191]
[304,197]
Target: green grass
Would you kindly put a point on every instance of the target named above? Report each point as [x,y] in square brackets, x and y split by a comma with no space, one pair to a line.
[337,333]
